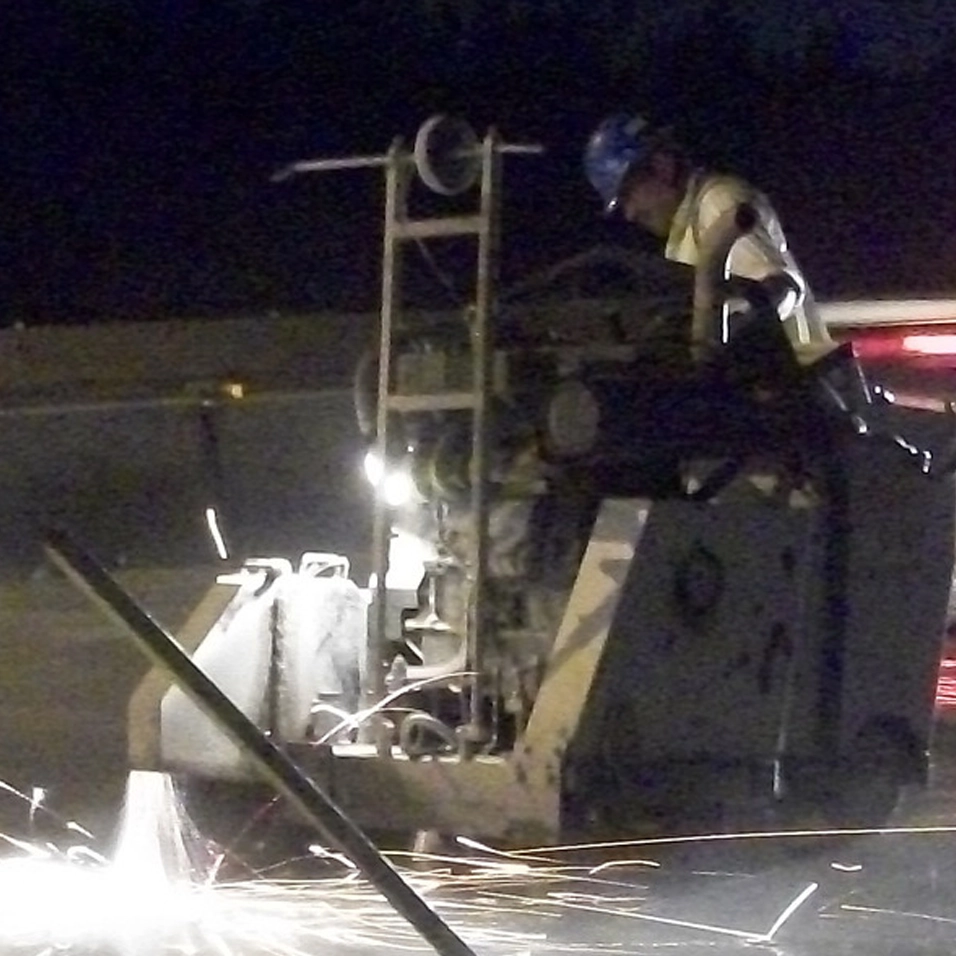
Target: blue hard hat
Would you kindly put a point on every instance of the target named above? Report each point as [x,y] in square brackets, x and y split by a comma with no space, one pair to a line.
[618,144]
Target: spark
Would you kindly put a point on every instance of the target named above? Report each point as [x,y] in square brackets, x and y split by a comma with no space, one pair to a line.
[31,849]
[49,903]
[212,523]
[100,904]
[789,910]
[572,897]
[518,869]
[660,920]
[162,885]
[37,796]
[73,825]
[11,789]
[600,868]
[320,852]
[522,855]
[696,838]
[471,844]
[886,912]
[360,717]
[35,802]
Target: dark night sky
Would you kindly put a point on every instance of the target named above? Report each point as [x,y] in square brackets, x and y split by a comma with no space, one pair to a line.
[138,138]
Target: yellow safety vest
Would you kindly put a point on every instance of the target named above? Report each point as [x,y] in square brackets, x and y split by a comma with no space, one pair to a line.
[754,256]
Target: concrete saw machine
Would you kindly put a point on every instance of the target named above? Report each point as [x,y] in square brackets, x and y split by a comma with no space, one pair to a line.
[641,557]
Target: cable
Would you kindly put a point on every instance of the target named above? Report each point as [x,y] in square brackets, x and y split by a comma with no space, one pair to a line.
[416,727]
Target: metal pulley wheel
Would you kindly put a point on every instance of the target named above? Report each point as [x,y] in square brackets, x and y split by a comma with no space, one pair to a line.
[447,155]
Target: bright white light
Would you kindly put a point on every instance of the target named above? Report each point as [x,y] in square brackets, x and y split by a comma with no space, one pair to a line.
[398,489]
[407,554]
[212,520]
[395,487]
[374,468]
[788,912]
[788,303]
[54,905]
[886,393]
[930,344]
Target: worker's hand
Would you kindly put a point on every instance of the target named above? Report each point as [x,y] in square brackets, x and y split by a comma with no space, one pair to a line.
[783,292]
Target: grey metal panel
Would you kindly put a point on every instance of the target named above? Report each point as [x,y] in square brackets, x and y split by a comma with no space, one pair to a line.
[703,637]
[134,482]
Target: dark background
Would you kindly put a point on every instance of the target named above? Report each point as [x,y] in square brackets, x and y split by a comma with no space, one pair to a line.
[138,137]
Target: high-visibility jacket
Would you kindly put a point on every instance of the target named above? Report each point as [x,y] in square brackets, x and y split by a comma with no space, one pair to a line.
[761,252]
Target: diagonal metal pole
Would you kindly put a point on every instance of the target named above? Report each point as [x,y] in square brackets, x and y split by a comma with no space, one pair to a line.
[84,571]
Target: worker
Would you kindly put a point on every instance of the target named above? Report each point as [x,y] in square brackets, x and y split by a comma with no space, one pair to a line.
[641,172]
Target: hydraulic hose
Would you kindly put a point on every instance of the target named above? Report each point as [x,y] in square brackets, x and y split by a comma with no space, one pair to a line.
[707,329]
[420,724]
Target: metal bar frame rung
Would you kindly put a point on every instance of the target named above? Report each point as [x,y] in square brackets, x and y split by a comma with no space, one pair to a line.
[398,229]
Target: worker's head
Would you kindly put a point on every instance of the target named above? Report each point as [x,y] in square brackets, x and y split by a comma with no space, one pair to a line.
[638,170]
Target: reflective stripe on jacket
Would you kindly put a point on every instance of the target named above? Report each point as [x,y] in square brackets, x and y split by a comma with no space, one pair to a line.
[754,256]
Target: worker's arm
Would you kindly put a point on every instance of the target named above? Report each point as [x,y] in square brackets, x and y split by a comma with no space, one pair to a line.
[762,252]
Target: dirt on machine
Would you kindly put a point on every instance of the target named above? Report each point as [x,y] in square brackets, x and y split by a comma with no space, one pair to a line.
[641,557]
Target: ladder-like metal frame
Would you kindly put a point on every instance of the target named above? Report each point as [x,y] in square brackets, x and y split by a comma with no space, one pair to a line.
[399,229]
[401,165]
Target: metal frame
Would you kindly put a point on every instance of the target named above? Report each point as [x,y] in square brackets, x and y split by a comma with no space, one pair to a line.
[399,166]
[398,229]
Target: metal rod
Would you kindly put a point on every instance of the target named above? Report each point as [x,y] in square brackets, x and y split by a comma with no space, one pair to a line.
[369,162]
[352,162]
[709,323]
[482,344]
[83,570]
[327,165]
[395,179]
[520,149]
